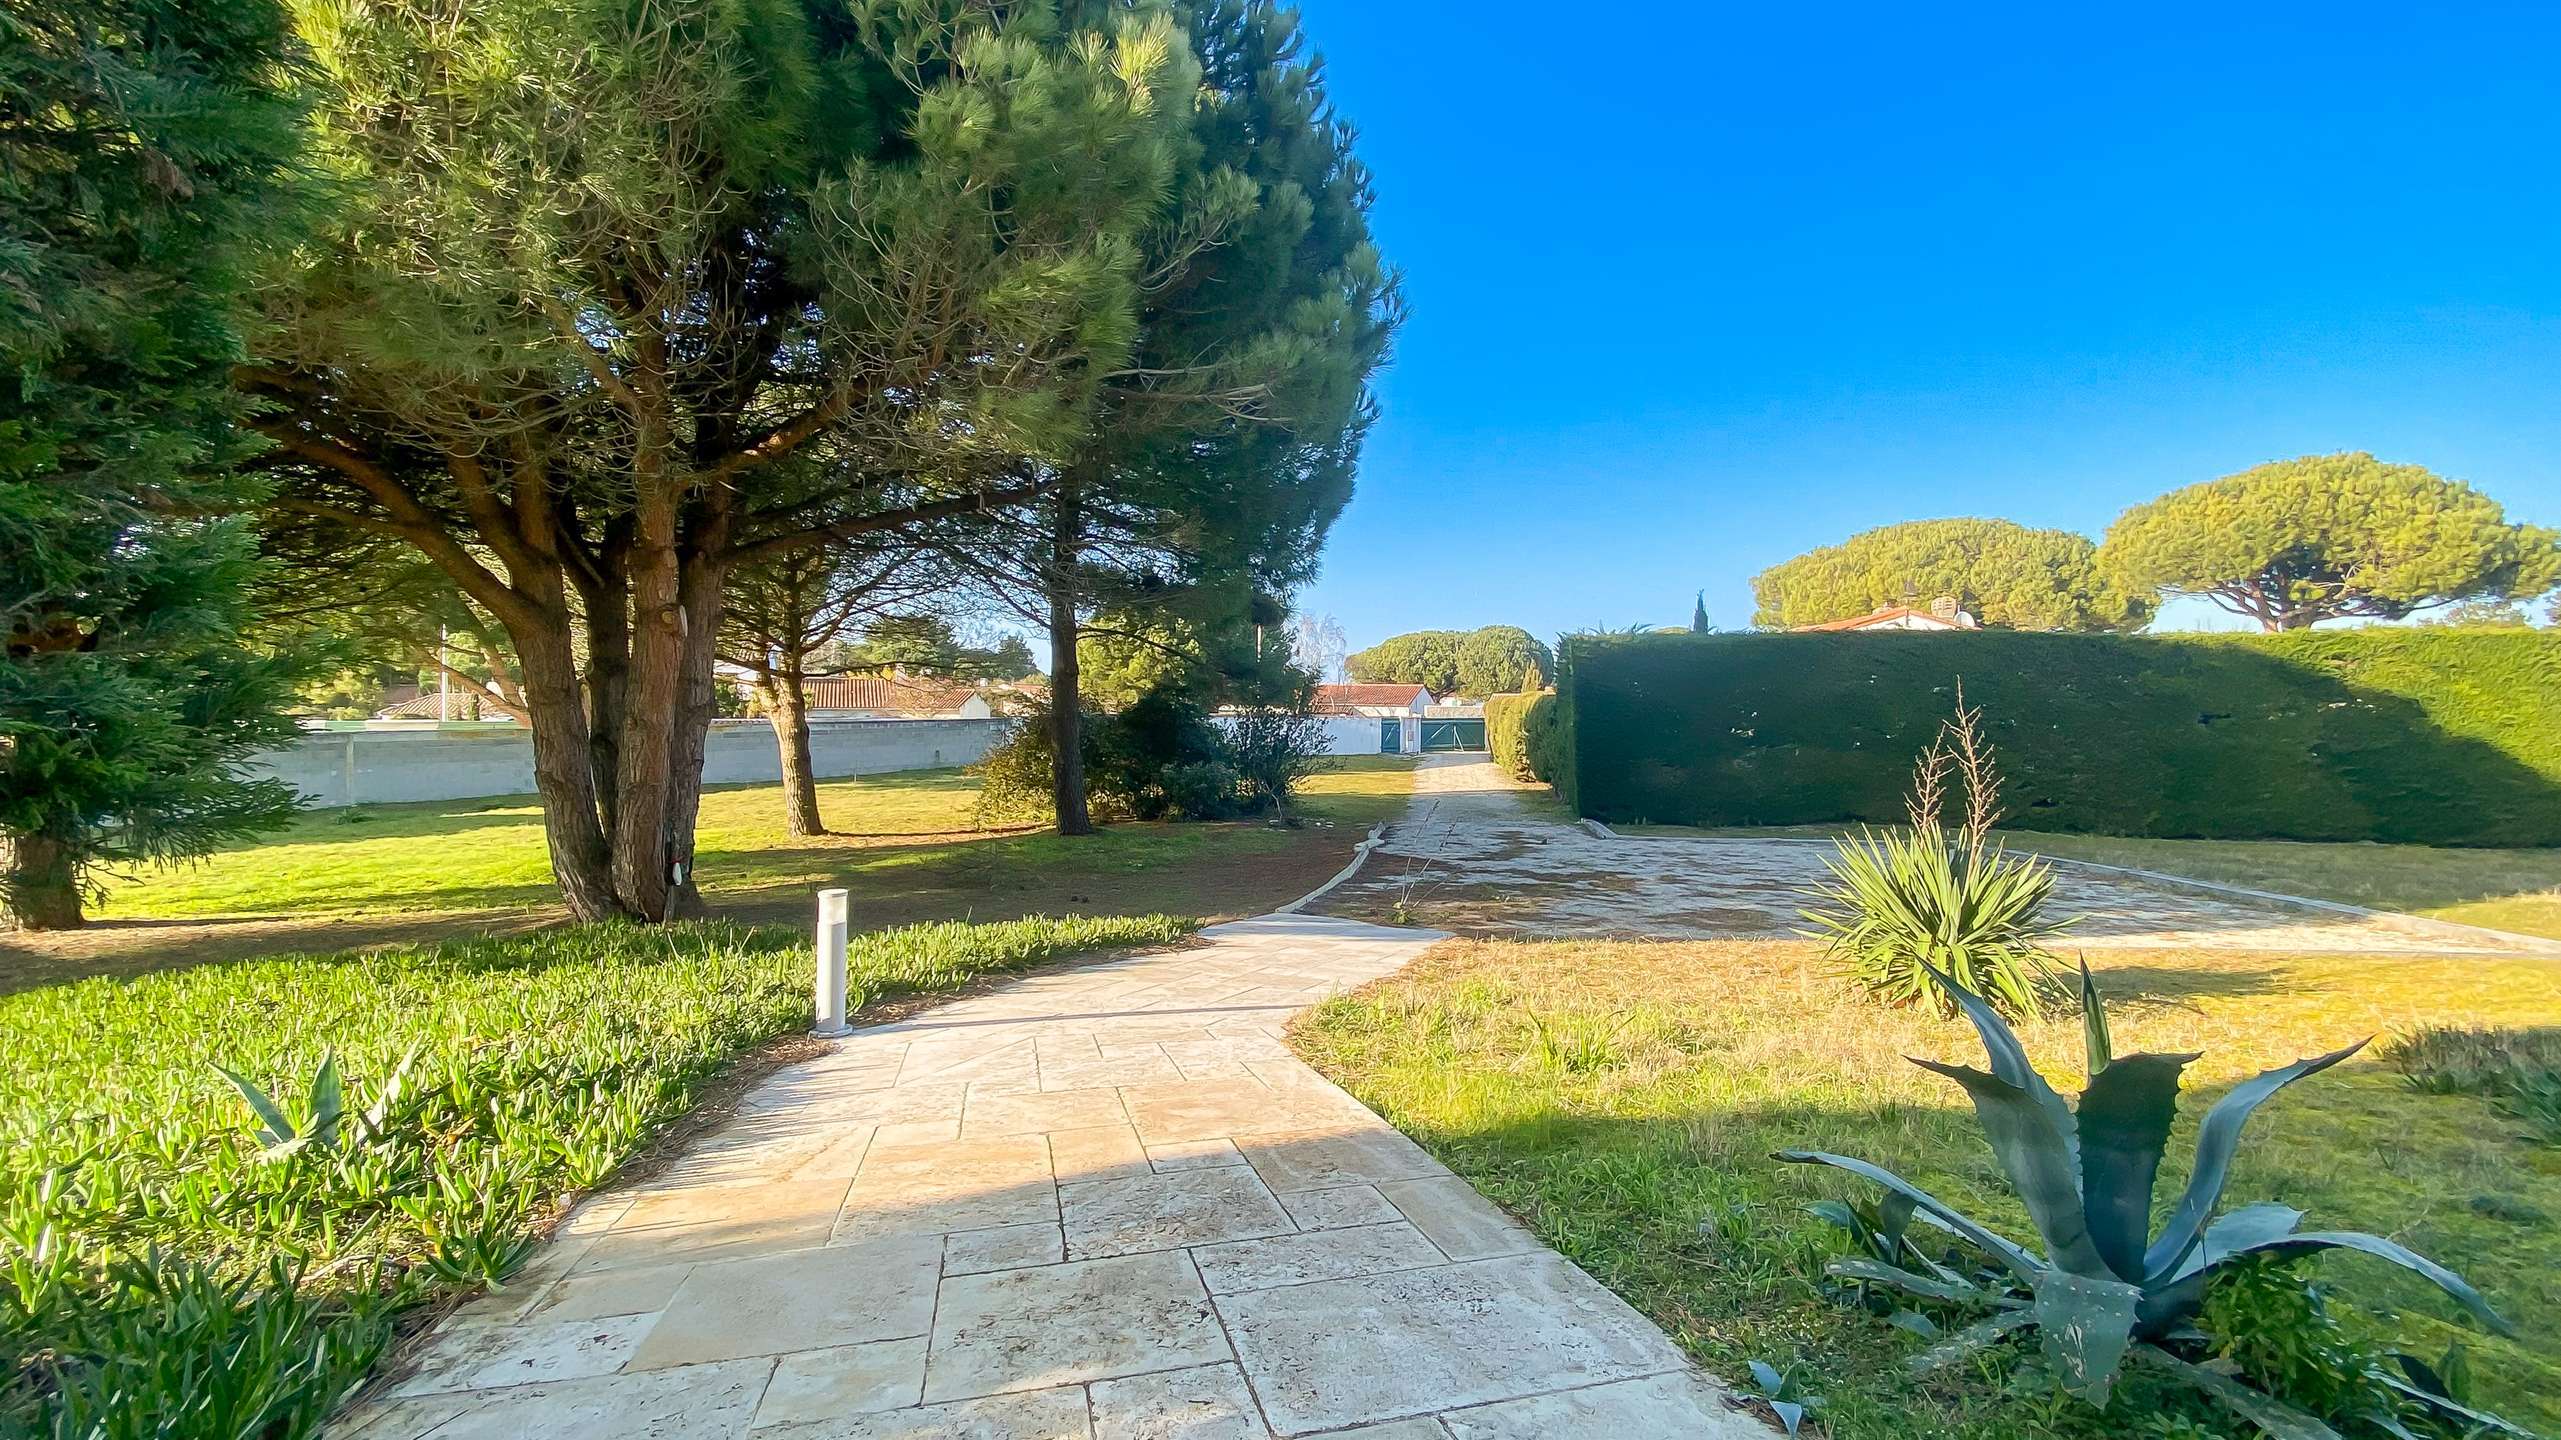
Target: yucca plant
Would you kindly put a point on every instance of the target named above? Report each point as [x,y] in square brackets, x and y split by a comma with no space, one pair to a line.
[2107,1289]
[1905,906]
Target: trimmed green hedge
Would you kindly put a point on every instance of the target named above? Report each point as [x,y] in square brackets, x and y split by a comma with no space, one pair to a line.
[1527,735]
[2437,737]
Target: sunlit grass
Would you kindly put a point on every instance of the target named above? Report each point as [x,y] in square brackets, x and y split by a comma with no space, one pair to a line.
[487,854]
[1619,1096]
[139,1220]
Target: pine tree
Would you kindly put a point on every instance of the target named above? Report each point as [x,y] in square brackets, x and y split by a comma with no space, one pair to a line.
[610,276]
[1222,453]
[141,165]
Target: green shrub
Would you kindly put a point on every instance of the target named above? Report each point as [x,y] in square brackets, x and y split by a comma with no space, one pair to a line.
[2427,736]
[173,1262]
[1163,757]
[1522,732]
[1506,735]
[2519,1071]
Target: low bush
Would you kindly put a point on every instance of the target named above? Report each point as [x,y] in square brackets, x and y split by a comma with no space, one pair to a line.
[1163,757]
[183,1253]
[2519,1071]
[2404,735]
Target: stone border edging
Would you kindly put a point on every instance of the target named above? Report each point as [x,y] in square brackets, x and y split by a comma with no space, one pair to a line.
[1360,857]
[2453,929]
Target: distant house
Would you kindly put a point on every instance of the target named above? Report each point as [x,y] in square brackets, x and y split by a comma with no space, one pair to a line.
[1943,614]
[893,697]
[1399,709]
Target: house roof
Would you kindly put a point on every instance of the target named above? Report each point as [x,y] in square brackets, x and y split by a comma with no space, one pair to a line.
[1890,615]
[1348,699]
[886,695]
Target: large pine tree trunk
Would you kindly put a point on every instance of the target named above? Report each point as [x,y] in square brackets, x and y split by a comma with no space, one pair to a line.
[44,884]
[653,697]
[788,706]
[1066,712]
[564,774]
[700,611]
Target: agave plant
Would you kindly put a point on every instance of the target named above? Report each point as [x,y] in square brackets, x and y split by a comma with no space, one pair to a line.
[2107,1289]
[324,1109]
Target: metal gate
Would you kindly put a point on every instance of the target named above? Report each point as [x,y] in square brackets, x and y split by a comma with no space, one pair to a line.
[1453,735]
[1391,736]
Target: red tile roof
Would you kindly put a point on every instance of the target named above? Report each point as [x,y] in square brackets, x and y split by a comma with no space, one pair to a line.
[885,695]
[1885,616]
[1344,699]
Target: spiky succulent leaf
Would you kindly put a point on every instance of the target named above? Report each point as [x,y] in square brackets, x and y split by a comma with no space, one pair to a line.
[1879,1273]
[2039,1160]
[2011,1065]
[2097,1050]
[273,1126]
[2273,1417]
[2085,1323]
[2010,1256]
[2125,1117]
[2312,1242]
[328,1102]
[2218,1139]
[2450,1408]
[1972,1338]
[2171,1303]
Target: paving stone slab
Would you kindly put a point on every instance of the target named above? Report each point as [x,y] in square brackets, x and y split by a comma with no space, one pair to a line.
[1066,1324]
[699,1402]
[1210,1403]
[483,1357]
[1314,1255]
[1683,1406]
[1348,1352]
[817,1385]
[841,1295]
[1042,1415]
[1163,1212]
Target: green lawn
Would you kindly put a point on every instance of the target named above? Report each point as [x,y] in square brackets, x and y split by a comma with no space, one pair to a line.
[896,832]
[2518,890]
[1618,1097]
[140,1224]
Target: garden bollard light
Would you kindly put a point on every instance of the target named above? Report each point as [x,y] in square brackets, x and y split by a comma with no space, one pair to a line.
[832,924]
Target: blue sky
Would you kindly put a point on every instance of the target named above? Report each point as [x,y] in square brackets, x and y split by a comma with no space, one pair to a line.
[1697,289]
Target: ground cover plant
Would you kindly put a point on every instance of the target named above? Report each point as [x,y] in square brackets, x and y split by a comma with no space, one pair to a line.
[183,1253]
[2519,1071]
[1624,1099]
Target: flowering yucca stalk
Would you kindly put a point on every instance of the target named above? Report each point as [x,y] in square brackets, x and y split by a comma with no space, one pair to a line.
[1905,907]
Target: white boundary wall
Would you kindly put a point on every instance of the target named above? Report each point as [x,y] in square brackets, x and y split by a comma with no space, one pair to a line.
[388,767]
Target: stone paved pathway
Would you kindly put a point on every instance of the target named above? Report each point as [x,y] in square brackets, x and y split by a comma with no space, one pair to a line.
[1104,1202]
[1473,854]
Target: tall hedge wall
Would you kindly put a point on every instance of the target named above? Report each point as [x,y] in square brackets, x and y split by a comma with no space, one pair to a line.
[1526,735]
[2435,736]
